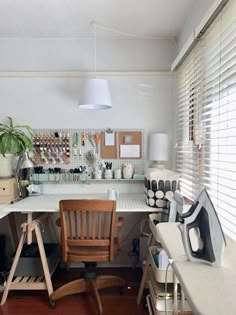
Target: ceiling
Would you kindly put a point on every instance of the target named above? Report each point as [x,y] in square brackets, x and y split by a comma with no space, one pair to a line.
[72,18]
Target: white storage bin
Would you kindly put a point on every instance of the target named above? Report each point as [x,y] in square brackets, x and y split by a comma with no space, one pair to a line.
[159,274]
[158,289]
[160,307]
[157,302]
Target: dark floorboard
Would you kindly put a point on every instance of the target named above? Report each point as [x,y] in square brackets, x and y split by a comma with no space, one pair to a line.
[37,302]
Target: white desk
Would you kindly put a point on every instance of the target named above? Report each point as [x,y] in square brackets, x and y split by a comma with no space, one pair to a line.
[209,290]
[49,203]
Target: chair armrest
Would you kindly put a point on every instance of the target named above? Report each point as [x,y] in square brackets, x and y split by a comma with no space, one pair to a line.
[119,223]
[119,226]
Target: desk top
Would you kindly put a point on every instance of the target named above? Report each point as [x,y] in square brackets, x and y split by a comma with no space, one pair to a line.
[209,290]
[132,202]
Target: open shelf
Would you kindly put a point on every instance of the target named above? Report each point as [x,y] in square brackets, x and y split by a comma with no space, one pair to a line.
[76,178]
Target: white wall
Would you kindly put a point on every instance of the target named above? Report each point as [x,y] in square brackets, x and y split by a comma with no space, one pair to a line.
[195,15]
[139,100]
[77,54]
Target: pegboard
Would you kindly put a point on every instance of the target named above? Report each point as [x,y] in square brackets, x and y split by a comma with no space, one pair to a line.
[62,148]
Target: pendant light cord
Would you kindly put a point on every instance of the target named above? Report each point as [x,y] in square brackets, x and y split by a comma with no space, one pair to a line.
[95,48]
[112,30]
[95,26]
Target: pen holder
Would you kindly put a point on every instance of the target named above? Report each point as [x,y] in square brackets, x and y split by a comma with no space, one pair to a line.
[108,174]
[118,174]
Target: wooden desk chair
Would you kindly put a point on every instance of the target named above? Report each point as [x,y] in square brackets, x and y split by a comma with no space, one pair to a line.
[88,235]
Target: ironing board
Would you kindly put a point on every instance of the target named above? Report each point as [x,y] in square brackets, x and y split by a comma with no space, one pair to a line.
[209,290]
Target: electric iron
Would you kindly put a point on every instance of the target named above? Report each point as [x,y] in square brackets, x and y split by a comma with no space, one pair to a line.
[201,231]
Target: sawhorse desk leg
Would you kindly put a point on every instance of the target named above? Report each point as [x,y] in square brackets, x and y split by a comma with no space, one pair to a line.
[145,272]
[27,229]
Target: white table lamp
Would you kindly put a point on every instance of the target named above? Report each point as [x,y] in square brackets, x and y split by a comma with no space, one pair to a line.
[158,149]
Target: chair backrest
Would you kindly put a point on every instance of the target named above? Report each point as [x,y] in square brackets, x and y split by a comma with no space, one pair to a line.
[87,229]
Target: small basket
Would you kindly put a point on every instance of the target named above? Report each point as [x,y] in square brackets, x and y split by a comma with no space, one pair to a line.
[160,275]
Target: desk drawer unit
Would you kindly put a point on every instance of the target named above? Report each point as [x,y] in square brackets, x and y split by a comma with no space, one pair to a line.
[8,191]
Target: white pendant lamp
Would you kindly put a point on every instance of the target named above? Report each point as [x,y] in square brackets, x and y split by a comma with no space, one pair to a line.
[95,92]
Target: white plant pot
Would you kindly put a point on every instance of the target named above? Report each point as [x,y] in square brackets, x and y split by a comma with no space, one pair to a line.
[6,165]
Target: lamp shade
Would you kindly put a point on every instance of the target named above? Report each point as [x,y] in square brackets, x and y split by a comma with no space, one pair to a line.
[95,94]
[158,147]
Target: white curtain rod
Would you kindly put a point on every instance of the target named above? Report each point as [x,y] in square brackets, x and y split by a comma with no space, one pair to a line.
[207,20]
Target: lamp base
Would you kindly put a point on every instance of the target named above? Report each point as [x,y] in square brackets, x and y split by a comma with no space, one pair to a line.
[158,164]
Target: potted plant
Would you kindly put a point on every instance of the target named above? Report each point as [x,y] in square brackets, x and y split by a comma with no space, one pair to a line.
[14,140]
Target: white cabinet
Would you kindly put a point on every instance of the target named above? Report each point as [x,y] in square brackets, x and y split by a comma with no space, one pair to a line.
[8,191]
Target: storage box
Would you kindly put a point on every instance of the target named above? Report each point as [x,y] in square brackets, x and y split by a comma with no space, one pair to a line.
[157,288]
[159,309]
[30,261]
[8,191]
[160,275]
[157,303]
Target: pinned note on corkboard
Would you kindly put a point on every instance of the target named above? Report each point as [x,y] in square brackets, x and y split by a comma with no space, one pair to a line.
[130,144]
[109,149]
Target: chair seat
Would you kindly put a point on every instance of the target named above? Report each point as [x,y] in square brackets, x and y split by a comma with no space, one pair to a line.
[92,254]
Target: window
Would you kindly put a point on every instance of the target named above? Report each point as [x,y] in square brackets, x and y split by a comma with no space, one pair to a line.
[206,118]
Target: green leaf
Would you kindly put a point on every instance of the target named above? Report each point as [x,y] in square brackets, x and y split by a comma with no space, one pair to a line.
[5,141]
[10,122]
[15,139]
[24,126]
[4,127]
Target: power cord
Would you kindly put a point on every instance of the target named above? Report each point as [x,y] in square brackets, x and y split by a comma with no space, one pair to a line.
[166,311]
[144,226]
[171,262]
[135,249]
[3,279]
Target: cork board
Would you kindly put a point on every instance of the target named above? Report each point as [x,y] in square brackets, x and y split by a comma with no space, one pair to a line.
[129,138]
[108,151]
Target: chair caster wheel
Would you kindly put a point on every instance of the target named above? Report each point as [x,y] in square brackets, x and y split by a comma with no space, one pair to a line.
[145,306]
[52,303]
[122,291]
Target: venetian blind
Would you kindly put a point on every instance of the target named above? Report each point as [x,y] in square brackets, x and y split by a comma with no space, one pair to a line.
[206,118]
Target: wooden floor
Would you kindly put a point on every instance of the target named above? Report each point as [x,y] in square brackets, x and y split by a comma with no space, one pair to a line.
[37,302]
